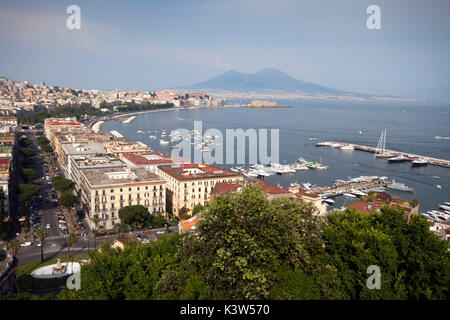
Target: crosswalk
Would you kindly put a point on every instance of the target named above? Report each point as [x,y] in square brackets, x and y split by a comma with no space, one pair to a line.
[57,237]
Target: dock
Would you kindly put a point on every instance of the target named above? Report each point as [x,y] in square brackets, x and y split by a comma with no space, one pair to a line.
[336,191]
[409,156]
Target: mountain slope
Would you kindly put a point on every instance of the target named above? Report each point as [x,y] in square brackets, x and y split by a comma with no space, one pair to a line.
[267,79]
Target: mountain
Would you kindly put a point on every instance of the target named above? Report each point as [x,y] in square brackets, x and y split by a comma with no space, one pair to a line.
[265,80]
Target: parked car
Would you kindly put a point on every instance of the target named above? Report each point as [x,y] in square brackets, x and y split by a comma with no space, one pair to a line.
[26,244]
[48,226]
[160,232]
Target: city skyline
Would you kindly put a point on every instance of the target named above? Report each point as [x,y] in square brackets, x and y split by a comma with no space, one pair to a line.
[158,46]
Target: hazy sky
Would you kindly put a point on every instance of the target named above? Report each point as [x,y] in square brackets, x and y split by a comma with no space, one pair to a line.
[159,44]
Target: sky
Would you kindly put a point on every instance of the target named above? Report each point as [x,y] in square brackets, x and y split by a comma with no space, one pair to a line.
[150,44]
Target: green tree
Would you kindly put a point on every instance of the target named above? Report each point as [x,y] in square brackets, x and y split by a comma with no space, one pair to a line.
[135,216]
[71,240]
[62,184]
[28,152]
[14,246]
[4,230]
[198,208]
[95,220]
[42,140]
[27,192]
[243,238]
[29,174]
[41,234]
[47,148]
[158,220]
[67,200]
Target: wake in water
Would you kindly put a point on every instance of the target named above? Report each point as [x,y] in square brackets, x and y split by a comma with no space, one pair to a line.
[438,137]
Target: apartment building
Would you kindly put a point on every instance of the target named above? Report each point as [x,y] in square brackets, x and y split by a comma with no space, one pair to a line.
[119,147]
[77,149]
[80,162]
[52,125]
[78,136]
[105,191]
[191,184]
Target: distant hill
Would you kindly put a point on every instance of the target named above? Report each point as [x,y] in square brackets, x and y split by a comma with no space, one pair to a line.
[265,80]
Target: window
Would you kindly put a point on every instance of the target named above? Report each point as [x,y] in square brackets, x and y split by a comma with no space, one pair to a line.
[112,190]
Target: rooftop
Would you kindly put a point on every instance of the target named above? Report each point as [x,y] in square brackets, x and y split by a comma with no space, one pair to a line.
[83,162]
[223,187]
[152,158]
[197,171]
[83,148]
[119,176]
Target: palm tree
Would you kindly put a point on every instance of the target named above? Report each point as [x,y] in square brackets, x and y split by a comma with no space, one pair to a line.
[95,220]
[41,233]
[14,246]
[71,240]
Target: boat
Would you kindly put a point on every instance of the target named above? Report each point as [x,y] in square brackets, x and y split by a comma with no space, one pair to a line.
[163,141]
[347,147]
[380,151]
[438,186]
[447,203]
[357,192]
[397,159]
[329,201]
[443,206]
[436,177]
[349,195]
[421,162]
[399,186]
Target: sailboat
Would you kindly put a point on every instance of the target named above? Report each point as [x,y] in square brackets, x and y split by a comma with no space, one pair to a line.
[380,151]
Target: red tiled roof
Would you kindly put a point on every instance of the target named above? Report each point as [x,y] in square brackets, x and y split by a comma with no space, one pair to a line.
[190,223]
[364,207]
[303,192]
[224,187]
[208,171]
[66,123]
[5,162]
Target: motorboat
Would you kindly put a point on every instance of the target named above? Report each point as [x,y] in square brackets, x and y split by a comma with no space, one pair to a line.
[397,159]
[347,147]
[421,162]
[443,206]
[163,141]
[349,195]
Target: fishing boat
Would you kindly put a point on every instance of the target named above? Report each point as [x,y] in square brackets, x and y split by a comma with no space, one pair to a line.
[421,162]
[399,186]
[380,151]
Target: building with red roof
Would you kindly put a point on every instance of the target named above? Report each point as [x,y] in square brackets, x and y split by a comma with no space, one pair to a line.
[272,191]
[150,160]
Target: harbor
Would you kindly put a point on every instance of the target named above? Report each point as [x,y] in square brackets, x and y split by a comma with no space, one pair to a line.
[404,156]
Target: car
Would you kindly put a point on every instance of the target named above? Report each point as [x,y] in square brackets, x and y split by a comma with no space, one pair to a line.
[39,244]
[48,226]
[160,232]
[26,244]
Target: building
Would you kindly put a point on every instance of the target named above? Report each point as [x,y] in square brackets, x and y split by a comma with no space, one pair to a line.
[150,160]
[5,166]
[91,149]
[105,191]
[120,147]
[189,224]
[79,162]
[304,196]
[52,125]
[271,190]
[190,184]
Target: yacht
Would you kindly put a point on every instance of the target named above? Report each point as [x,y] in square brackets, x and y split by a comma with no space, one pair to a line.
[357,192]
[399,186]
[347,147]
[163,141]
[442,206]
[349,195]
[447,203]
[421,162]
[397,159]
[329,201]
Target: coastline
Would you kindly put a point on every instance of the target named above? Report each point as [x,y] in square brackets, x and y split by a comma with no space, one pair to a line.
[97,123]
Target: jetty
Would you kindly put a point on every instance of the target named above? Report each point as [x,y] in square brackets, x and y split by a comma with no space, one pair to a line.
[409,156]
[117,134]
[129,120]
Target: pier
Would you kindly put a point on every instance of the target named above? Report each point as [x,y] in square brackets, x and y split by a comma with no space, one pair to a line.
[409,156]
[339,190]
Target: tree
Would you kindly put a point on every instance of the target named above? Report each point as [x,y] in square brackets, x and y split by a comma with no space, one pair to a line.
[414,202]
[27,192]
[198,208]
[41,233]
[158,220]
[95,220]
[62,184]
[244,238]
[29,173]
[42,141]
[47,148]
[28,152]
[67,200]
[71,240]
[135,216]
[131,273]
[14,246]
[4,230]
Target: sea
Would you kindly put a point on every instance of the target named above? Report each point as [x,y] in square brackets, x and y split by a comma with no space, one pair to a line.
[417,128]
